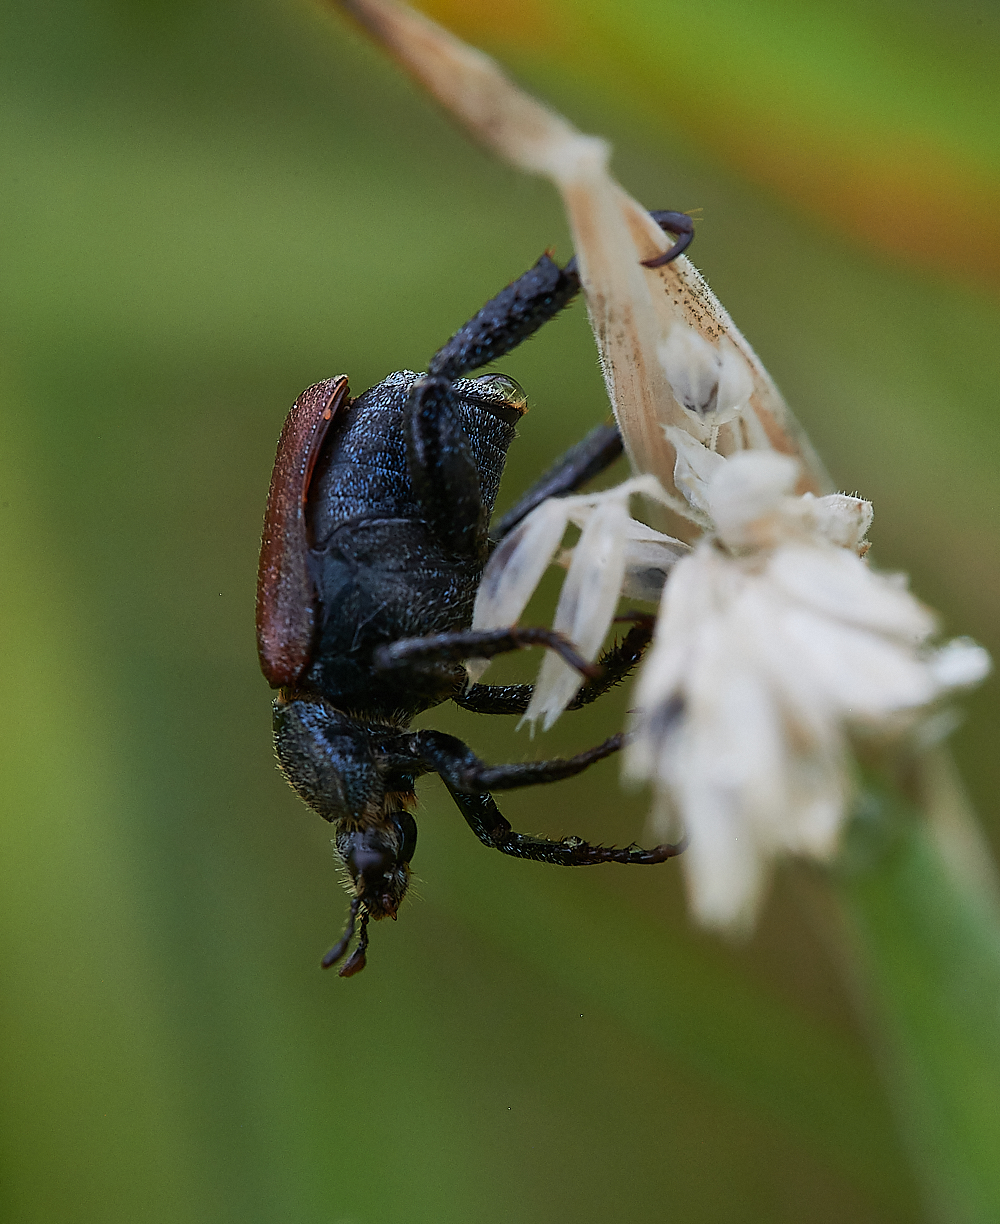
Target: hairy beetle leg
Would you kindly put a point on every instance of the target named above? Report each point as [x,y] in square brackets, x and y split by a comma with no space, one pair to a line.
[469,780]
[464,772]
[493,829]
[516,313]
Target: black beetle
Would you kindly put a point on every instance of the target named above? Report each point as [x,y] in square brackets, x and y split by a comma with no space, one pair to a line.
[375,538]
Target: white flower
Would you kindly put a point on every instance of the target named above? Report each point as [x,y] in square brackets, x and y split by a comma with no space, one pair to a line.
[775,645]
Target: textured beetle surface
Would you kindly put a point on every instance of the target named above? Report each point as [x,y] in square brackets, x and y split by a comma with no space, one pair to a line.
[375,538]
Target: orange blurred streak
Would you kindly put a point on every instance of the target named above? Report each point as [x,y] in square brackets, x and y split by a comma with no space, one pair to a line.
[909,199]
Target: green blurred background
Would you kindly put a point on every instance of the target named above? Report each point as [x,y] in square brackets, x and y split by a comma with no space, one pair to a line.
[208,206]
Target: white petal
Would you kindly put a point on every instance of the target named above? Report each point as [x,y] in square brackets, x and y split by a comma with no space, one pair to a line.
[960,663]
[729,784]
[694,466]
[712,384]
[517,565]
[842,520]
[840,585]
[725,870]
[647,564]
[735,385]
[691,364]
[688,602]
[746,494]
[865,676]
[586,607]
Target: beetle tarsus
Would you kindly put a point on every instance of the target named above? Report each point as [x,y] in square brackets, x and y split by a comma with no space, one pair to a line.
[485,819]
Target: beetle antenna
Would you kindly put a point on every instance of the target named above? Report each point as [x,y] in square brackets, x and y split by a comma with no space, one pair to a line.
[358,958]
[340,947]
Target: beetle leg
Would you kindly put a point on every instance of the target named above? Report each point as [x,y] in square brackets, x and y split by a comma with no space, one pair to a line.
[516,313]
[469,779]
[527,303]
[492,828]
[464,772]
[462,644]
[444,473]
[615,664]
[442,467]
[581,463]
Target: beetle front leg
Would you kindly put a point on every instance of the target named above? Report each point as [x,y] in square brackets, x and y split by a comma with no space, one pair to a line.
[468,779]
[516,313]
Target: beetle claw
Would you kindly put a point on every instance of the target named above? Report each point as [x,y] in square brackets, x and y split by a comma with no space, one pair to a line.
[682,228]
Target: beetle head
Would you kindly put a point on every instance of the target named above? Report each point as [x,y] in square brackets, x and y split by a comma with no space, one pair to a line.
[378,859]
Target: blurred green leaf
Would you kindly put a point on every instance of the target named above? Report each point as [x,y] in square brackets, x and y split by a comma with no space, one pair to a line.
[927,953]
[878,117]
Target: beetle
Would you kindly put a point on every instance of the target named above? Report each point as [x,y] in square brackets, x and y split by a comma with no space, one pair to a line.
[376,534]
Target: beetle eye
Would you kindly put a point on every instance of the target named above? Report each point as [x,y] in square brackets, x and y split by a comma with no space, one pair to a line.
[406,826]
[500,387]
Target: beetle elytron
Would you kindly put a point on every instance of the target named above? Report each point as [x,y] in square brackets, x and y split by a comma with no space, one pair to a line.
[375,538]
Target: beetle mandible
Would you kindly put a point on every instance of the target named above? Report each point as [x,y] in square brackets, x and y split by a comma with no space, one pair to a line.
[376,535]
